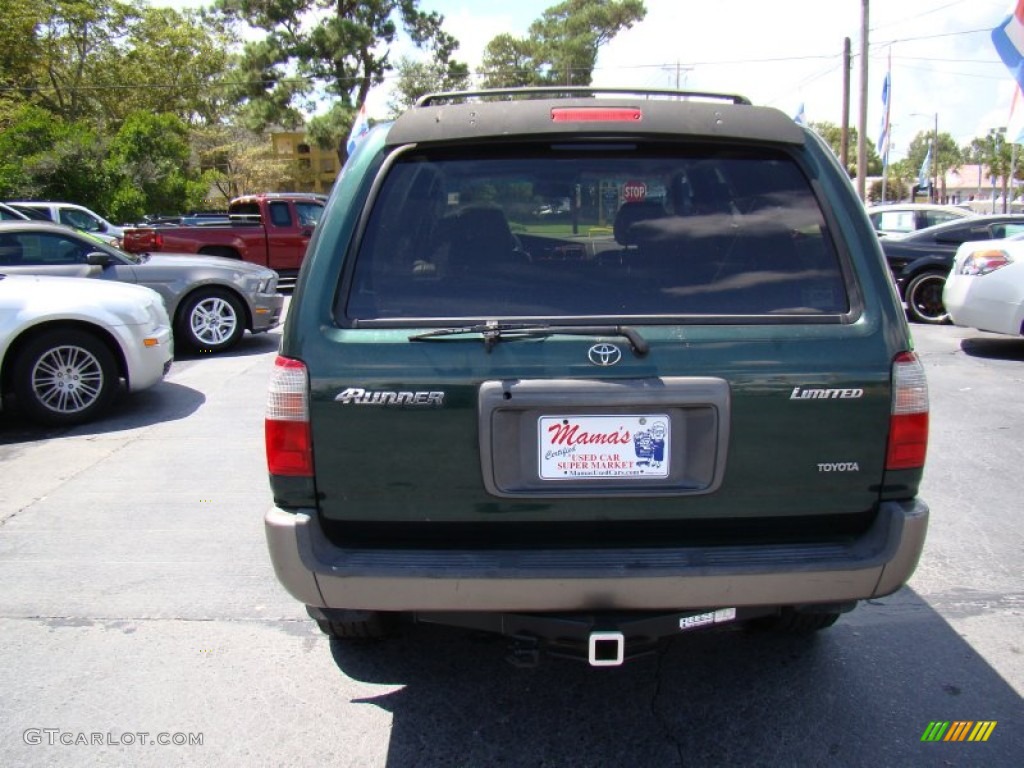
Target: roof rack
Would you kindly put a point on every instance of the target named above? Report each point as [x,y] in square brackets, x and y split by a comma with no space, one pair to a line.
[431,99]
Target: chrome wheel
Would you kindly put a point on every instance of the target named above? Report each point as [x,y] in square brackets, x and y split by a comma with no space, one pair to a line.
[67,379]
[211,321]
[64,377]
[924,298]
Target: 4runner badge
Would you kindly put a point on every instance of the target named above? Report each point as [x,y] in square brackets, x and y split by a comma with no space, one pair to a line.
[604,354]
[360,396]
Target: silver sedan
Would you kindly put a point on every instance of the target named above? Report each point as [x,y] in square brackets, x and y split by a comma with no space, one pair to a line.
[211,300]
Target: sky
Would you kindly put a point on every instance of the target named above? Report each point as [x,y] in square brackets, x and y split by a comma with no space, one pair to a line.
[785,54]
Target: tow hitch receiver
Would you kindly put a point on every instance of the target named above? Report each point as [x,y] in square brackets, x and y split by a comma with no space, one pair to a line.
[606,649]
[607,639]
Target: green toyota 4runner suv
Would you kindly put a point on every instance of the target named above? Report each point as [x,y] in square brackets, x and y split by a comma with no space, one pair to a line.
[591,368]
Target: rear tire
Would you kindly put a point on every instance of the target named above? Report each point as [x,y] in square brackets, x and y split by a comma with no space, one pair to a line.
[924,298]
[359,625]
[792,622]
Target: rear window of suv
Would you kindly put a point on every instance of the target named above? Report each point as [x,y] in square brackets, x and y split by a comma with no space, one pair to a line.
[630,231]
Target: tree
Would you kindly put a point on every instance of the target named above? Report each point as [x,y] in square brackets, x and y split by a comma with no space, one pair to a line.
[832,134]
[418,78]
[341,47]
[562,45]
[44,158]
[173,62]
[996,154]
[58,49]
[148,166]
[102,60]
[236,161]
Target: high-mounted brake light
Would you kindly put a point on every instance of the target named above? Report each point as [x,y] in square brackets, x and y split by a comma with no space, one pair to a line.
[288,439]
[596,114]
[908,425]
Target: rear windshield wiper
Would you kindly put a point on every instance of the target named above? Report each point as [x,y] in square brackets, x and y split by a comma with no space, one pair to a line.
[493,332]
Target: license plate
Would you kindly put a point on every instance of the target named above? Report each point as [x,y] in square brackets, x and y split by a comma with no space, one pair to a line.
[603,447]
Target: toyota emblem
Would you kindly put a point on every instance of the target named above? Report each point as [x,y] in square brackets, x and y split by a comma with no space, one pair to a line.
[604,354]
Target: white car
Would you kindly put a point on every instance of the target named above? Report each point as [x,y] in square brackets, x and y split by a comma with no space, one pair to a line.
[895,219]
[985,287]
[65,343]
[77,216]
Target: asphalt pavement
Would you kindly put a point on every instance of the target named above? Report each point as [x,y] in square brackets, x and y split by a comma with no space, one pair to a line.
[141,623]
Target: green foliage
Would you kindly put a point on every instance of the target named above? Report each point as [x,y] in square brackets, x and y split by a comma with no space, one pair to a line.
[416,79]
[833,136]
[997,155]
[102,60]
[42,157]
[341,47]
[96,99]
[562,45]
[147,164]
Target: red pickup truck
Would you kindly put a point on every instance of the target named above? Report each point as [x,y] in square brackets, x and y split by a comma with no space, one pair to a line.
[271,229]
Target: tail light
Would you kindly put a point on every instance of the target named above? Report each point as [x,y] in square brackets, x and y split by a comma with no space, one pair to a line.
[288,438]
[908,425]
[983,262]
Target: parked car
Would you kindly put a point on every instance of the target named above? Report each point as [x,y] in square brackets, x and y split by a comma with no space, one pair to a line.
[921,261]
[77,216]
[903,218]
[7,213]
[211,301]
[658,414]
[66,343]
[985,287]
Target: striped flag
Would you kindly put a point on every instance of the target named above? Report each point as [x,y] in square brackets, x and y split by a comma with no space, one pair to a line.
[1008,38]
[924,177]
[883,136]
[360,128]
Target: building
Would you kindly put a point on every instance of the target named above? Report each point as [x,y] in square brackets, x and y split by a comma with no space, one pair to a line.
[972,185]
[315,168]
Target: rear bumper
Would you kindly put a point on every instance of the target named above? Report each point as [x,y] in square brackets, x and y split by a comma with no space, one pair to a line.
[974,301]
[323,575]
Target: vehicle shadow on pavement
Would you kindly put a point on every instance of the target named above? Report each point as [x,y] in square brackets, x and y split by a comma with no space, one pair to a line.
[994,349]
[165,402]
[249,345]
[860,693]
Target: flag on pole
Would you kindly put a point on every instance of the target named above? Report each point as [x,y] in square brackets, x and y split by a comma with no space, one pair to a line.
[924,178]
[800,118]
[360,128]
[1008,37]
[883,136]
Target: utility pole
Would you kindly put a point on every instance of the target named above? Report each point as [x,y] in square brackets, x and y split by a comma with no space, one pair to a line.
[679,68]
[844,141]
[862,122]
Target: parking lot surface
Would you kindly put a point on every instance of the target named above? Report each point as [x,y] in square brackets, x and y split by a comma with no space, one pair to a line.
[141,623]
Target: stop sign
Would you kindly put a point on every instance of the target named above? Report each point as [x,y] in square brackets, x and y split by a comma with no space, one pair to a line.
[634,191]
